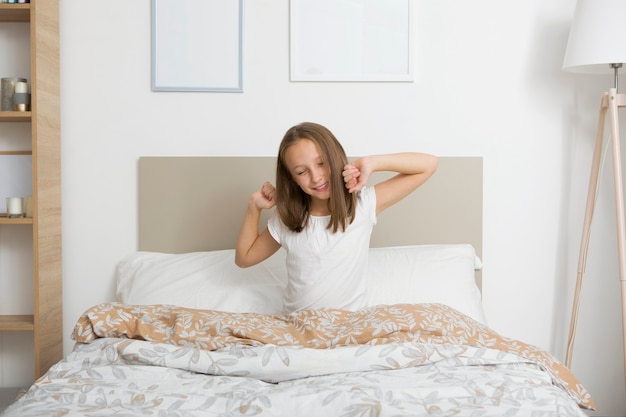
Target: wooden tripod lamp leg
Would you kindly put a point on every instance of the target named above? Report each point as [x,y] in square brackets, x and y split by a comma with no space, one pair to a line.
[619,207]
[584,244]
[611,101]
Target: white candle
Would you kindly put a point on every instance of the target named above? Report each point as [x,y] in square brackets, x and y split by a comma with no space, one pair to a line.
[14,207]
[21,87]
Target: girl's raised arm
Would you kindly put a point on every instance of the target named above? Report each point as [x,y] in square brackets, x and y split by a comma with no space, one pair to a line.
[413,170]
[253,247]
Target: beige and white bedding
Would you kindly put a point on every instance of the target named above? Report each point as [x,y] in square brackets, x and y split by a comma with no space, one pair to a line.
[402,359]
[193,335]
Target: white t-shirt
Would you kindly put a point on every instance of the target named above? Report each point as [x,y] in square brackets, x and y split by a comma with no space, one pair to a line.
[326,269]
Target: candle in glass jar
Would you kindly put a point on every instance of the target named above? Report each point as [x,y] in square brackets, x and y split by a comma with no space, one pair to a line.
[14,207]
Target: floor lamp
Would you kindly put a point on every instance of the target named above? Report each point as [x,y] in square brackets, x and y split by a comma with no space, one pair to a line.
[597,44]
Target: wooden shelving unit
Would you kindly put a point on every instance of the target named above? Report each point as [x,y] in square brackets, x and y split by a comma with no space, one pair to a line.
[46,320]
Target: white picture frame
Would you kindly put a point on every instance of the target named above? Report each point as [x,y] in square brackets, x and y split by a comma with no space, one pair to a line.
[351,40]
[197,45]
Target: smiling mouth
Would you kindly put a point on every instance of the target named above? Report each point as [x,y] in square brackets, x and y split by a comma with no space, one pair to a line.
[322,187]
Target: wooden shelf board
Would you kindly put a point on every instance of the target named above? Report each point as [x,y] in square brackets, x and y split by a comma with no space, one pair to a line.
[15,12]
[23,220]
[17,322]
[15,116]
[16,152]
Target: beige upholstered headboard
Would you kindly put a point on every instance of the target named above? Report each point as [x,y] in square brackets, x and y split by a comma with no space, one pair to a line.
[189,204]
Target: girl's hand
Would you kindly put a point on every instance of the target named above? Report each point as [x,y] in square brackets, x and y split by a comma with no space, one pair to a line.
[356,174]
[264,198]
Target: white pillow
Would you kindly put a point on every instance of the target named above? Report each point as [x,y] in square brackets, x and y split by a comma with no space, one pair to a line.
[426,274]
[211,280]
[202,280]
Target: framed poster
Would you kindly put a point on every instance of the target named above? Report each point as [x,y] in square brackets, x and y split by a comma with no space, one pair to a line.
[350,40]
[197,45]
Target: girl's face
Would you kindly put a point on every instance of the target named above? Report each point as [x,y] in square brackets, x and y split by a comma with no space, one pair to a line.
[308,169]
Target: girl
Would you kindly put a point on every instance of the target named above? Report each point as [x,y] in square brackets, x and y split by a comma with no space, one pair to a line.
[324,216]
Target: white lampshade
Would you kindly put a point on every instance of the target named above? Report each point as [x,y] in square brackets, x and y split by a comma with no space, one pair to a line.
[597,37]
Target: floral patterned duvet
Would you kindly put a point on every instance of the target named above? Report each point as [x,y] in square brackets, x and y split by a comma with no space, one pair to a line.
[399,360]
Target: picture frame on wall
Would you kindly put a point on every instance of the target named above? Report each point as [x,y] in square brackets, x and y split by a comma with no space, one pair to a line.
[351,40]
[197,45]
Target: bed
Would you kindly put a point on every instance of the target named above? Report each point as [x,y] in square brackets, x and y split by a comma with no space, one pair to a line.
[190,334]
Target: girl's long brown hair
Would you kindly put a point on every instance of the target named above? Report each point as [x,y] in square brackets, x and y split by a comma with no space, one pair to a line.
[292,203]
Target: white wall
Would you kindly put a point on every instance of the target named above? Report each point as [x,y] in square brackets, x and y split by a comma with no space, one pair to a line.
[488,82]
